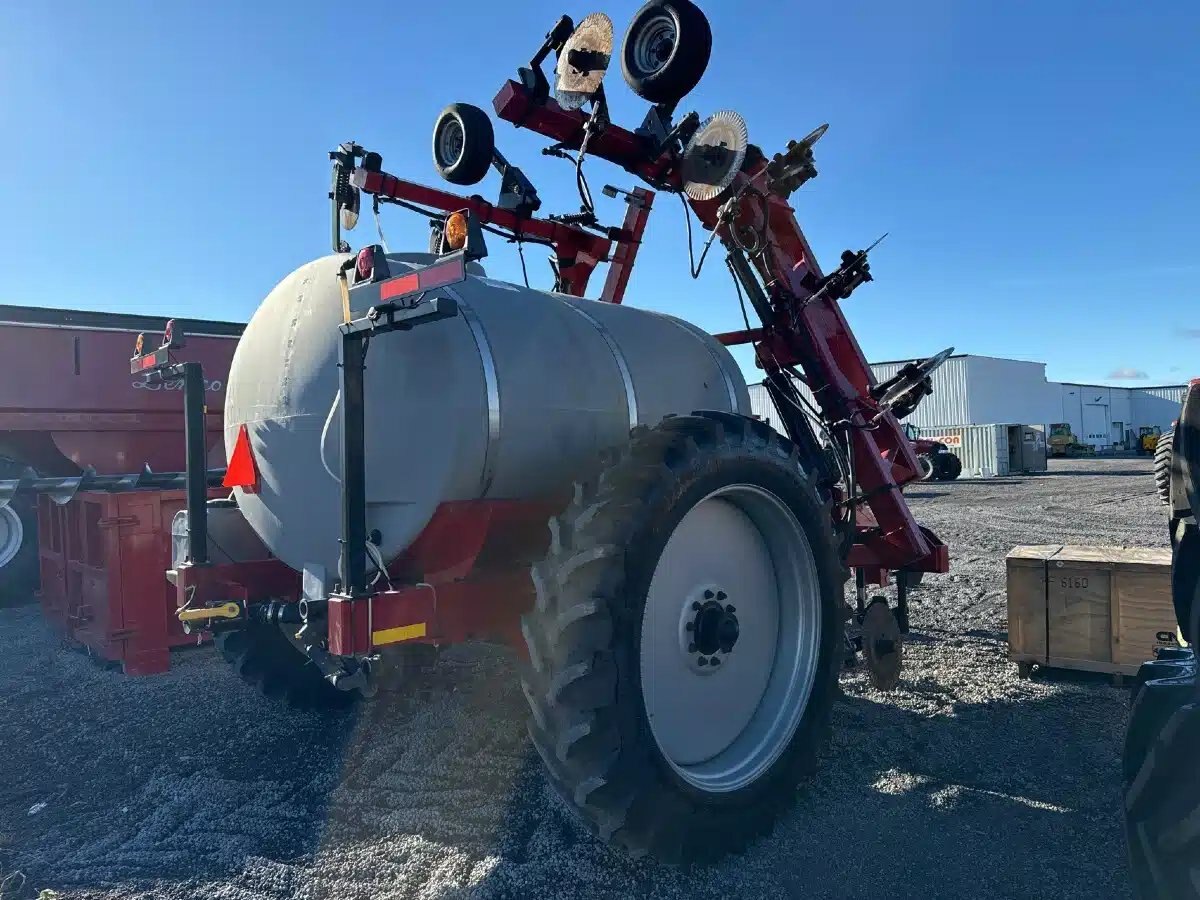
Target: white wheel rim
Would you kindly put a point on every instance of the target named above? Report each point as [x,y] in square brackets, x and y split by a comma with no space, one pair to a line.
[12,535]
[450,142]
[654,44]
[926,467]
[721,727]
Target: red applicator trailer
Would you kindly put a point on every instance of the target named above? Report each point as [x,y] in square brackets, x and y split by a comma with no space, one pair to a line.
[67,408]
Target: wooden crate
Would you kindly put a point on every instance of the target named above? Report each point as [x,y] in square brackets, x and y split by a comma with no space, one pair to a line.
[1099,609]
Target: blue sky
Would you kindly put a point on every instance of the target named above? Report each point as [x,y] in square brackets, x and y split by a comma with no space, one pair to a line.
[1036,164]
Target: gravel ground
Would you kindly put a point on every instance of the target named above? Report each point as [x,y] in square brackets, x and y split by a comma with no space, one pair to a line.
[964,782]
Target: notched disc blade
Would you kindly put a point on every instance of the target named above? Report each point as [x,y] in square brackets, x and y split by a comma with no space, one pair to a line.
[883,646]
[714,155]
[584,61]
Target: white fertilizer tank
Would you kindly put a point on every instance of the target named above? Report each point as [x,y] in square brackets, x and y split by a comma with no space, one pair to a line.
[510,399]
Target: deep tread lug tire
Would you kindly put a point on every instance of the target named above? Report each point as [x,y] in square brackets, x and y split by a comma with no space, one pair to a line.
[588,716]
[1162,466]
[263,657]
[1162,803]
[949,467]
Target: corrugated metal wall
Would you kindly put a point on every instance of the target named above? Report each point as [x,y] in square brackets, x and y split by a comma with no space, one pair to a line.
[1157,406]
[983,449]
[948,402]
[975,390]
[1172,392]
[761,406]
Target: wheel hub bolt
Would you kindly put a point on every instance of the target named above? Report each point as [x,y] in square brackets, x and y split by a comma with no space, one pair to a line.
[715,661]
[703,661]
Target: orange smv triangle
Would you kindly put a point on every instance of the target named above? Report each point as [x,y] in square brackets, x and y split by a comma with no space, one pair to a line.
[242,470]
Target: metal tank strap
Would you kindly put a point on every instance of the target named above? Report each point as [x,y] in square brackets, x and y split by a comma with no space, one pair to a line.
[492,384]
[622,365]
[706,339]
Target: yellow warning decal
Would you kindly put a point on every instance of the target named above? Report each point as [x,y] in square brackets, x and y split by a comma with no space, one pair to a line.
[395,635]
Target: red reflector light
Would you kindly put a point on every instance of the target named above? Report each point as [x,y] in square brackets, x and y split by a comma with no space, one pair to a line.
[424,279]
[446,273]
[398,287]
[242,470]
[365,264]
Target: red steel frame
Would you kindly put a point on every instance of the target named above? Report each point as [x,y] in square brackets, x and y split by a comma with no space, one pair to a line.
[807,331]
[464,576]
[578,251]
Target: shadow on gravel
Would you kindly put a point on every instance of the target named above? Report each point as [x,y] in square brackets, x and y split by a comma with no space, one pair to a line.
[192,785]
[1100,473]
[978,482]
[1012,798]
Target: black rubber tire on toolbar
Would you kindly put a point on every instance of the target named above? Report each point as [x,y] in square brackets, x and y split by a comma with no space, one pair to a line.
[686,60]
[476,140]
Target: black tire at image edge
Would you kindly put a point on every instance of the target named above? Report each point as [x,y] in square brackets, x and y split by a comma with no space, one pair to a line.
[1162,466]
[21,577]
[1162,802]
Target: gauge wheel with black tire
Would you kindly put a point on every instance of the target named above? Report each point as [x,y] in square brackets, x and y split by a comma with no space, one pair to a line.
[463,143]
[1162,465]
[666,50]
[19,565]
[949,467]
[928,469]
[266,658]
[686,638]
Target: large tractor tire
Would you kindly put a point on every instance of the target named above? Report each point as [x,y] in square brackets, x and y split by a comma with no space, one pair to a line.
[266,658]
[1162,466]
[686,639]
[1162,790]
[949,467]
[19,567]
[1161,760]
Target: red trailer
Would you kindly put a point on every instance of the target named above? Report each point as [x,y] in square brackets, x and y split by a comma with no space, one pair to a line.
[66,407]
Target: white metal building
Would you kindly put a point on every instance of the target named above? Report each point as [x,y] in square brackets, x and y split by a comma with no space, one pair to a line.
[985,390]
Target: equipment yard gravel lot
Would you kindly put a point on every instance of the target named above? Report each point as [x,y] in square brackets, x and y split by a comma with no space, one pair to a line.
[965,782]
